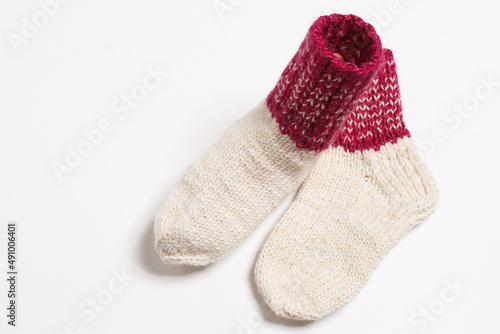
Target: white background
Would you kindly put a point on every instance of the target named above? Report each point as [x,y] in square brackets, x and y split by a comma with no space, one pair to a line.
[74,233]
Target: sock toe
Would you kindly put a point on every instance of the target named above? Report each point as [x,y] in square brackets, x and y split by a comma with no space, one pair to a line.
[177,245]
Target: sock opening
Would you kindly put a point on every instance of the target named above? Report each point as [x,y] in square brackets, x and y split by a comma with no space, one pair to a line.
[352,38]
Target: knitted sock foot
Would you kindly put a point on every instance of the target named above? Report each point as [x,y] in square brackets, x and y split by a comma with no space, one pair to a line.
[266,155]
[363,194]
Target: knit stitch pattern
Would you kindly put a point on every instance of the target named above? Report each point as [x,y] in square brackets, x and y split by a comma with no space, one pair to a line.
[361,197]
[229,190]
[268,154]
[317,88]
[378,116]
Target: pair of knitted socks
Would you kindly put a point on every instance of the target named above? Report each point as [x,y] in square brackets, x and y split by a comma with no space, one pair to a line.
[333,127]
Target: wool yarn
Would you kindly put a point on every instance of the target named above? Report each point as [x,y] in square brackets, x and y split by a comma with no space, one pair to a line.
[265,156]
[363,194]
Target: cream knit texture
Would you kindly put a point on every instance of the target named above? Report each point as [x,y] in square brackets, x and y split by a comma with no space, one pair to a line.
[352,208]
[229,190]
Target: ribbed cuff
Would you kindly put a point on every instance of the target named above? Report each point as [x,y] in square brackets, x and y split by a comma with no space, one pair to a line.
[316,89]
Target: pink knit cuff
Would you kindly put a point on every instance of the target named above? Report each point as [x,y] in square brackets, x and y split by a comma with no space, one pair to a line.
[315,90]
[377,118]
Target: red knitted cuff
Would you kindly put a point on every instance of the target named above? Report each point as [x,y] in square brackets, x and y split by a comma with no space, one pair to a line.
[313,93]
[377,118]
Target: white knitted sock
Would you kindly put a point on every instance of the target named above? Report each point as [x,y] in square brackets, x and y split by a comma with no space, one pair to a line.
[266,156]
[361,197]
[229,190]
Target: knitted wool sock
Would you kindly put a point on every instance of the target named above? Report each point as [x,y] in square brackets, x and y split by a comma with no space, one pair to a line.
[363,194]
[266,155]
